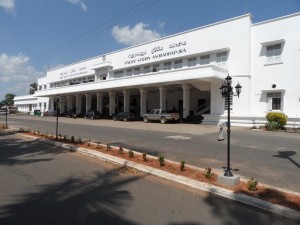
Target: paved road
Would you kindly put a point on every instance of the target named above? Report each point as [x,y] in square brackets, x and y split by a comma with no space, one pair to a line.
[269,157]
[43,184]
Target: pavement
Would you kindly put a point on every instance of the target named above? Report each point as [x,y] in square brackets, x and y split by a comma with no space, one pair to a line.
[264,205]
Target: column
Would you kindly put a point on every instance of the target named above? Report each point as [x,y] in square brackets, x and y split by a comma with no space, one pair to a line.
[88,102]
[126,105]
[112,103]
[162,97]
[100,102]
[186,100]
[217,105]
[78,104]
[143,102]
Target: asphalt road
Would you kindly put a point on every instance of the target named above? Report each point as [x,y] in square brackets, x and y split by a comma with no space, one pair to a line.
[43,184]
[269,157]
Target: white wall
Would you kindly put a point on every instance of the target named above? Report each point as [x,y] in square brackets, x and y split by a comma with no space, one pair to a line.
[284,75]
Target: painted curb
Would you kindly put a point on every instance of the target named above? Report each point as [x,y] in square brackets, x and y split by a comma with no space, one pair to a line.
[242,198]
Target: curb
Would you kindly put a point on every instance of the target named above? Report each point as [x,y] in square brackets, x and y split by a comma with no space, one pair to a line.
[242,198]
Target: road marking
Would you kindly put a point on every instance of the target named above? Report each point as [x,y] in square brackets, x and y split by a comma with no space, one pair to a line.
[178,137]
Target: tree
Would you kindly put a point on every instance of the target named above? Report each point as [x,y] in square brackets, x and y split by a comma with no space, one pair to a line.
[33,88]
[9,99]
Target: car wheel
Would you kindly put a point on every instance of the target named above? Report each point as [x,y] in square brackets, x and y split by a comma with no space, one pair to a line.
[146,120]
[163,120]
[125,119]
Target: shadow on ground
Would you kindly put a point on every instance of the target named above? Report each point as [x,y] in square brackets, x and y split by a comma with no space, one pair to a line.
[14,150]
[98,199]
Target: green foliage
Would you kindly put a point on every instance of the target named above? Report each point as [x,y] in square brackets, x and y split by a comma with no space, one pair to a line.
[130,154]
[252,184]
[9,99]
[208,173]
[72,139]
[120,150]
[65,137]
[161,159]
[276,119]
[145,157]
[182,165]
[79,140]
[272,126]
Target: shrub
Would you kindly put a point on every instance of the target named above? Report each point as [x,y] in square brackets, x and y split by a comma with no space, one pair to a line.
[280,119]
[182,165]
[65,137]
[252,184]
[161,159]
[272,126]
[120,150]
[208,173]
[89,143]
[108,147]
[79,140]
[72,139]
[145,157]
[130,154]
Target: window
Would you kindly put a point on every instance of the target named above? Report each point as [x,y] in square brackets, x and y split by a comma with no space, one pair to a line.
[222,58]
[45,86]
[167,65]
[273,53]
[192,61]
[40,87]
[137,71]
[118,74]
[274,101]
[146,69]
[155,68]
[178,64]
[129,72]
[204,59]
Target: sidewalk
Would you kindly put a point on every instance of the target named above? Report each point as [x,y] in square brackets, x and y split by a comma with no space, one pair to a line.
[293,214]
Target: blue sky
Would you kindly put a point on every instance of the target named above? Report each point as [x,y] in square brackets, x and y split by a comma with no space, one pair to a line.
[39,34]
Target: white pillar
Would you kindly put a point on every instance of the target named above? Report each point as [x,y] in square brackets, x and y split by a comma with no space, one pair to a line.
[99,102]
[162,97]
[216,100]
[126,105]
[88,102]
[143,102]
[186,100]
[78,104]
[112,103]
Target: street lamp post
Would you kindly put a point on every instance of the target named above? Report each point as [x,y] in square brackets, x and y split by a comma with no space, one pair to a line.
[57,111]
[6,115]
[226,92]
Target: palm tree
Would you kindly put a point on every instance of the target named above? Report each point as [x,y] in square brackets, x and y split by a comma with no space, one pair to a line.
[33,88]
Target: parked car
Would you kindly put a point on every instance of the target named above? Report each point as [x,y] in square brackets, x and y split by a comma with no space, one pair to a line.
[71,114]
[37,112]
[93,115]
[125,116]
[3,112]
[160,115]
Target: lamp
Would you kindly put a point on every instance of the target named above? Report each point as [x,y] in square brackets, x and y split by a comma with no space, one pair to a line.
[226,91]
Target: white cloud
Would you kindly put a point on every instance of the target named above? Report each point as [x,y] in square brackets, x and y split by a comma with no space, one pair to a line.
[161,24]
[8,5]
[80,2]
[136,35]
[16,74]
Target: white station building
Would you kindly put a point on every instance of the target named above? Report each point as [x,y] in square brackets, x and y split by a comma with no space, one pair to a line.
[184,72]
